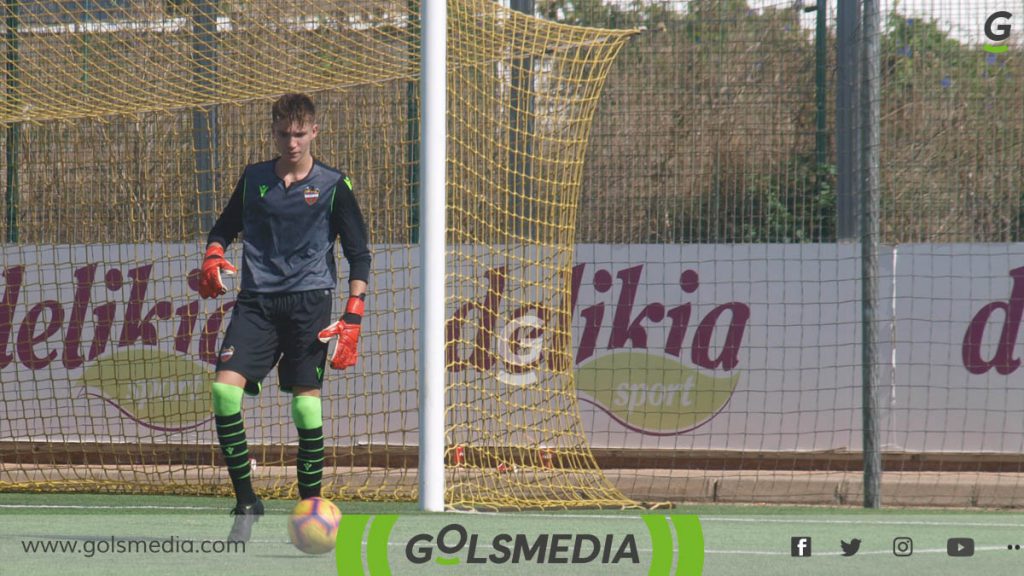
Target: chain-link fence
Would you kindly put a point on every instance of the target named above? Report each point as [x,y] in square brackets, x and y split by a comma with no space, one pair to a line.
[711,126]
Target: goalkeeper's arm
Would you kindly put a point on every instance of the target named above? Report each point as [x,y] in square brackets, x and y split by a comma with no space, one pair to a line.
[228,225]
[348,328]
[347,222]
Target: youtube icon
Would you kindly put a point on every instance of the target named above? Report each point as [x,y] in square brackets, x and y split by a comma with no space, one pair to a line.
[960,547]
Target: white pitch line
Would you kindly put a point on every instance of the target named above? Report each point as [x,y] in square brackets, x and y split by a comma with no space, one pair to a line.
[745,519]
[747,553]
[626,514]
[762,519]
[104,507]
[860,553]
[798,520]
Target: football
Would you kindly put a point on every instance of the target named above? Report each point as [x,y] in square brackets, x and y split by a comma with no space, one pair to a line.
[313,525]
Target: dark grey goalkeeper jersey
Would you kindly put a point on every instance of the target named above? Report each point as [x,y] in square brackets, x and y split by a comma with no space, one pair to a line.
[288,234]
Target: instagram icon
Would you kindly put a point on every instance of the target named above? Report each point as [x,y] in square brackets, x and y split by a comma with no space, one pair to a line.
[902,546]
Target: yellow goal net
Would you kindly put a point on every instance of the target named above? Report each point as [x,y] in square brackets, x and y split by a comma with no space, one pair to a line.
[126,124]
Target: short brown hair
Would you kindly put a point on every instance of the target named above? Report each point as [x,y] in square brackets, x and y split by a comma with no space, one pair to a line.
[296,108]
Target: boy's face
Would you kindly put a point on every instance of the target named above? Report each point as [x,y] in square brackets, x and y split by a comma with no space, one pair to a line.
[293,139]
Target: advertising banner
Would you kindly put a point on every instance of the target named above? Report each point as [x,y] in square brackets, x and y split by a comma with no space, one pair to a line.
[745,347]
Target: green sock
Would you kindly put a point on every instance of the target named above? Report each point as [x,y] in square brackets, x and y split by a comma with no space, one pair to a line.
[227,410]
[227,399]
[307,412]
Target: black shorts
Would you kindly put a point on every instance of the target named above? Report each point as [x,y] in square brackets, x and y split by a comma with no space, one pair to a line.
[266,328]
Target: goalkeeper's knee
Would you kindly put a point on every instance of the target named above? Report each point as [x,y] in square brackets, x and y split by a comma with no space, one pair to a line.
[227,399]
[307,412]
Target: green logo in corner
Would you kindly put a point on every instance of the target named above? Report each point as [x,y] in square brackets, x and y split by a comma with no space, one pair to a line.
[997,29]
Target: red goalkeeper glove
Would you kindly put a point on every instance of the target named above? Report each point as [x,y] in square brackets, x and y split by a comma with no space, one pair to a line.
[210,285]
[347,331]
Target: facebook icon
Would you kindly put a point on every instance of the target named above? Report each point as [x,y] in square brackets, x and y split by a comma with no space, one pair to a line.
[800,546]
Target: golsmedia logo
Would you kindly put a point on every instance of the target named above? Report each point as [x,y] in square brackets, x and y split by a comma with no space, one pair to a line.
[435,544]
[455,545]
[997,29]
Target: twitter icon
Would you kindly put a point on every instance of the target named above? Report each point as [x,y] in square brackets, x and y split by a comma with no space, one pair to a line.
[849,549]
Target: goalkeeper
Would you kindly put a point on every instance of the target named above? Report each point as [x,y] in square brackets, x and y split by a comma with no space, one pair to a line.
[289,211]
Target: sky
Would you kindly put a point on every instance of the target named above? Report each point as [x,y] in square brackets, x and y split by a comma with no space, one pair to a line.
[962,19]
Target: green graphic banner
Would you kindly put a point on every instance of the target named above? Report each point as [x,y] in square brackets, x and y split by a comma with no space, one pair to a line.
[425,544]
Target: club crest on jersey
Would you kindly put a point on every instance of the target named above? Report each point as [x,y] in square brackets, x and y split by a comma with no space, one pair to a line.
[311,194]
[227,353]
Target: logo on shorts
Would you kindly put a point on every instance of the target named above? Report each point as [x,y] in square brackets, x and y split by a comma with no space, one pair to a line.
[227,353]
[311,194]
